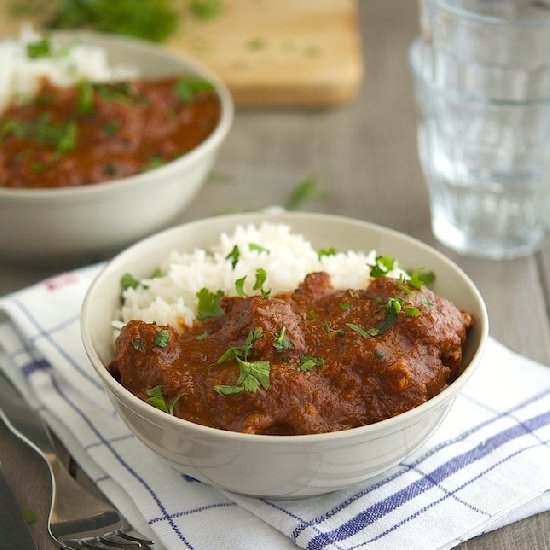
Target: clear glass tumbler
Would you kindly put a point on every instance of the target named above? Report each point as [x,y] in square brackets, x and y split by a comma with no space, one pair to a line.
[486,162]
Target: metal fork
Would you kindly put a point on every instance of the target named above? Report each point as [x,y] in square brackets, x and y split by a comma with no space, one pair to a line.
[77,518]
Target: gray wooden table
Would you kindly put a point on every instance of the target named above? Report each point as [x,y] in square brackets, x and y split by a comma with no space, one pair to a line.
[364,159]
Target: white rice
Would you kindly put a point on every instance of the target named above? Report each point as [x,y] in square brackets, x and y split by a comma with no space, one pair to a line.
[20,75]
[171,299]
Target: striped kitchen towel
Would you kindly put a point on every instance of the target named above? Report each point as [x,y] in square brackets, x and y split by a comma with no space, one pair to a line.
[486,466]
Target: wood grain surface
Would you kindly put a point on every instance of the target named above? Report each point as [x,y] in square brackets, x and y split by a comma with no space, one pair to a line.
[283,52]
[364,158]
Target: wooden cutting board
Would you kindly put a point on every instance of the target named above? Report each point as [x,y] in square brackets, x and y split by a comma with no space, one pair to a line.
[272,52]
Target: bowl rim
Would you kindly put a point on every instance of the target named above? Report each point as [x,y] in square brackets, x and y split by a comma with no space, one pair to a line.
[146,410]
[227,110]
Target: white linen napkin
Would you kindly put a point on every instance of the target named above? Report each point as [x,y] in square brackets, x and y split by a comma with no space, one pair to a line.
[486,466]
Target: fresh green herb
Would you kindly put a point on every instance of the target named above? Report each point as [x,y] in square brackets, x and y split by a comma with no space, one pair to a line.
[37,166]
[329,329]
[370,333]
[187,88]
[394,304]
[110,169]
[155,398]
[255,44]
[411,311]
[161,338]
[243,351]
[308,363]
[379,354]
[234,256]
[67,143]
[326,252]
[85,98]
[209,304]
[205,9]
[282,343]
[154,20]
[403,285]
[252,376]
[127,281]
[121,92]
[425,302]
[12,126]
[154,161]
[302,192]
[39,48]
[138,344]
[258,248]
[419,277]
[261,277]
[309,316]
[345,306]
[239,287]
[111,128]
[29,516]
[202,336]
[382,266]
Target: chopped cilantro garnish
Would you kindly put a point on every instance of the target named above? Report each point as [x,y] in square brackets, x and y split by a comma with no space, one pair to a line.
[258,248]
[326,252]
[261,277]
[419,277]
[111,128]
[329,329]
[209,304]
[394,304]
[308,363]
[345,306]
[411,311]
[39,48]
[382,266]
[202,336]
[309,316]
[234,256]
[110,169]
[161,338]
[138,344]
[243,351]
[282,343]
[37,166]
[239,287]
[370,333]
[127,281]
[154,161]
[155,398]
[187,88]
[252,376]
[304,190]
[425,302]
[85,98]
[68,140]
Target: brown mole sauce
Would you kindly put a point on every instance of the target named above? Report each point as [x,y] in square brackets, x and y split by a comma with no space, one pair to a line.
[122,129]
[362,381]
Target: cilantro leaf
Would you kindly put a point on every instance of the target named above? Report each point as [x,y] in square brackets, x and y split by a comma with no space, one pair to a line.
[202,336]
[329,329]
[209,304]
[155,398]
[127,281]
[261,277]
[308,363]
[85,98]
[345,306]
[411,311]
[234,256]
[223,389]
[161,338]
[282,343]
[258,248]
[382,266]
[242,351]
[326,252]
[69,138]
[188,87]
[419,277]
[153,162]
[253,375]
[239,287]
[39,48]
[370,333]
[425,302]
[111,128]
[138,344]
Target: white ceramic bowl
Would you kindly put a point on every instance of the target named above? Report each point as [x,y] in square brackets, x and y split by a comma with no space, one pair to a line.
[51,224]
[279,466]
